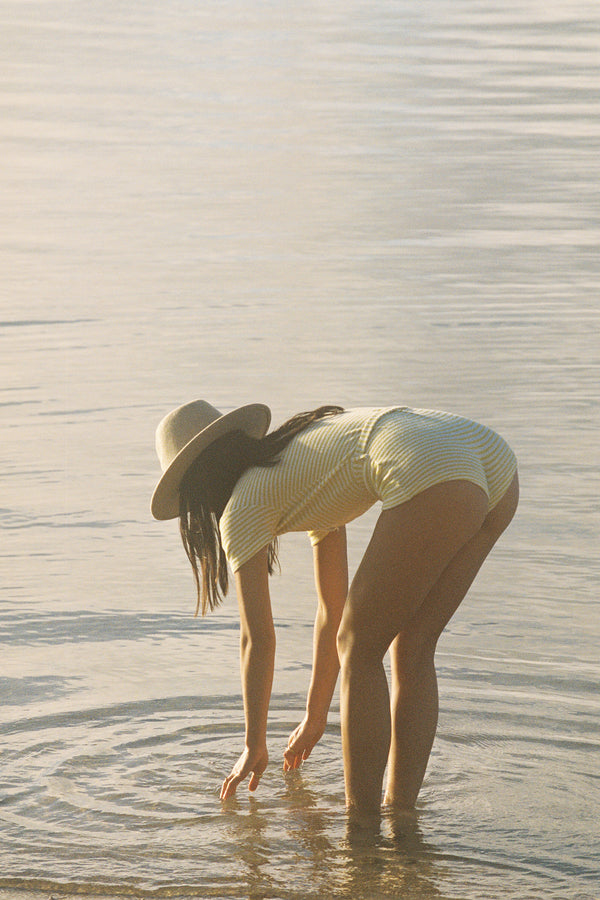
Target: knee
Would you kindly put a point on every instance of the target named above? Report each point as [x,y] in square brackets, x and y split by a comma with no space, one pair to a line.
[349,631]
[346,641]
[412,651]
[358,642]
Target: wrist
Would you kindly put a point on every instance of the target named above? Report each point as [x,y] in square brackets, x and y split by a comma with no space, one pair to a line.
[256,742]
[316,717]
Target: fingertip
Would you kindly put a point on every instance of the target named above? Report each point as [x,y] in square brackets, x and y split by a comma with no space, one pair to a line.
[227,790]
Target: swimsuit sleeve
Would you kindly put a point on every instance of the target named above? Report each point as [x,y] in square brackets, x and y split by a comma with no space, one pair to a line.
[245,531]
[316,536]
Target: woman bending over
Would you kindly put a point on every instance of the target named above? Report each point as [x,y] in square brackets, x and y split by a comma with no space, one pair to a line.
[448,488]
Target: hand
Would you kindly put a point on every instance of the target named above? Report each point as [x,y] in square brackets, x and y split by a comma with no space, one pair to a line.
[252,762]
[301,742]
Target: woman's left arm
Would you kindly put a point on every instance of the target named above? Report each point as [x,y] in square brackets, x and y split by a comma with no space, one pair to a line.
[331,578]
[257,660]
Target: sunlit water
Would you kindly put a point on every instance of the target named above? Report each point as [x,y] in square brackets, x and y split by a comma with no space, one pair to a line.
[291,203]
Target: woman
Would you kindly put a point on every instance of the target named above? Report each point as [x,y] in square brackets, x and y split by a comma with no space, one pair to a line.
[448,488]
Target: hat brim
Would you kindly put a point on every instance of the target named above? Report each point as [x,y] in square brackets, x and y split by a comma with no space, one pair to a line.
[253,419]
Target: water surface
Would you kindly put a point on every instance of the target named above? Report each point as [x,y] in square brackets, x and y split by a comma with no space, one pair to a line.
[351,203]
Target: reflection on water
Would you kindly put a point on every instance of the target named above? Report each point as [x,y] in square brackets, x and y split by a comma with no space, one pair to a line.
[332,858]
[293,204]
[140,782]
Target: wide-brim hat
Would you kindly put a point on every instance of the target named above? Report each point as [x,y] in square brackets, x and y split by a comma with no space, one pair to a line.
[185,432]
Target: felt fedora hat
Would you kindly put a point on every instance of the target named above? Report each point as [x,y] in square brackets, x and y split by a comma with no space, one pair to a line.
[185,432]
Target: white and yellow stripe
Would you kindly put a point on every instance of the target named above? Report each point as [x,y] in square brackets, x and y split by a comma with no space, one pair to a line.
[339,466]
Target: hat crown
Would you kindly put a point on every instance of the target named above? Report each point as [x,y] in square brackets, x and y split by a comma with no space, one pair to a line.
[180,426]
[185,432]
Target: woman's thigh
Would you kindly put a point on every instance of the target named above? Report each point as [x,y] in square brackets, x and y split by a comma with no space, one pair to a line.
[412,544]
[449,590]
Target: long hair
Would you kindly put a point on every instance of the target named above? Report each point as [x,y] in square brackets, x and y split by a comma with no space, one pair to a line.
[205,491]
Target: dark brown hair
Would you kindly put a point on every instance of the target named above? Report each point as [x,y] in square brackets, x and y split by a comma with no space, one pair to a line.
[205,491]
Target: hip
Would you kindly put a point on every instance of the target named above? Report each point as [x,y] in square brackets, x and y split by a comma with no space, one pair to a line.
[410,450]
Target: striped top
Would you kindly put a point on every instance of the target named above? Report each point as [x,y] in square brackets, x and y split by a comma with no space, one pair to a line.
[316,486]
[339,466]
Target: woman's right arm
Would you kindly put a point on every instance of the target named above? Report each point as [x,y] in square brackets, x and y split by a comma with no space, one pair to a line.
[257,660]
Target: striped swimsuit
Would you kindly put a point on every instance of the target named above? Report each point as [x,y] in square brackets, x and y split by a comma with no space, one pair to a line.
[341,465]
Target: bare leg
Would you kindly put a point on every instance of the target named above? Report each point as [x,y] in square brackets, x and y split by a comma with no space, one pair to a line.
[365,710]
[414,681]
[411,546]
[414,723]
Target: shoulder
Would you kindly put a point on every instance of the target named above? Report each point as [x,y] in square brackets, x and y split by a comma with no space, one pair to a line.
[246,526]
[247,508]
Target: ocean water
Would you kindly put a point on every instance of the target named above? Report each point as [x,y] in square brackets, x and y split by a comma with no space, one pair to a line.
[293,204]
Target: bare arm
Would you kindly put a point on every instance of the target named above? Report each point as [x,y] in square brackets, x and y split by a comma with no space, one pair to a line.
[257,659]
[331,577]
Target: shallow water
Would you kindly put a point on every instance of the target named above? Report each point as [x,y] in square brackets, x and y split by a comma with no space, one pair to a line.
[253,202]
